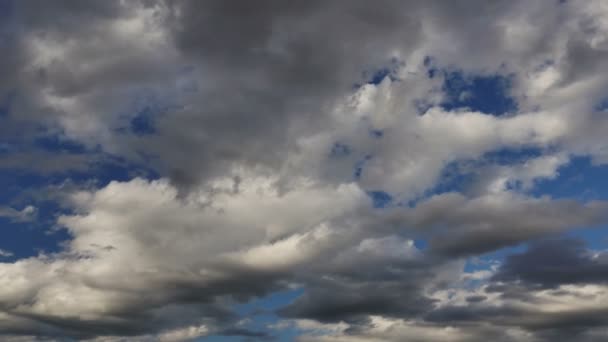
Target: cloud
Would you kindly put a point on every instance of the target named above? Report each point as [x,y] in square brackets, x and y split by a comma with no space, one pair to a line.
[5,253]
[28,213]
[556,262]
[267,127]
[384,276]
[46,162]
[141,259]
[383,329]
[284,77]
[477,225]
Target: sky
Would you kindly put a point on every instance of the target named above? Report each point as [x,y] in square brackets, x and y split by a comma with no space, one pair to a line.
[313,171]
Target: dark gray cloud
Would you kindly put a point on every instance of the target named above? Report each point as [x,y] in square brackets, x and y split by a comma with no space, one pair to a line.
[514,306]
[554,289]
[459,226]
[386,276]
[281,65]
[352,300]
[550,263]
[541,326]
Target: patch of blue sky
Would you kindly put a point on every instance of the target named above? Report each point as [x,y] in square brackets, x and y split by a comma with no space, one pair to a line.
[56,143]
[29,238]
[602,105]
[511,156]
[269,303]
[143,123]
[101,171]
[421,244]
[26,239]
[596,238]
[579,179]
[380,199]
[379,75]
[453,178]
[487,94]
[14,182]
[260,313]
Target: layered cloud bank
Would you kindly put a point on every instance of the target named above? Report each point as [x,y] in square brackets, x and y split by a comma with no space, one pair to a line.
[395,167]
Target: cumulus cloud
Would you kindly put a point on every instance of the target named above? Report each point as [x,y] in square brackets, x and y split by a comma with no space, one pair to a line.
[264,130]
[556,262]
[140,256]
[466,226]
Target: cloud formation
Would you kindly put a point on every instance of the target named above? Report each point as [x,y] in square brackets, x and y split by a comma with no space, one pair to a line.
[205,154]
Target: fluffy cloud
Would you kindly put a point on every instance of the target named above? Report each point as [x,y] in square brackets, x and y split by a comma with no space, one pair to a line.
[466,226]
[556,262]
[516,305]
[140,255]
[265,128]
